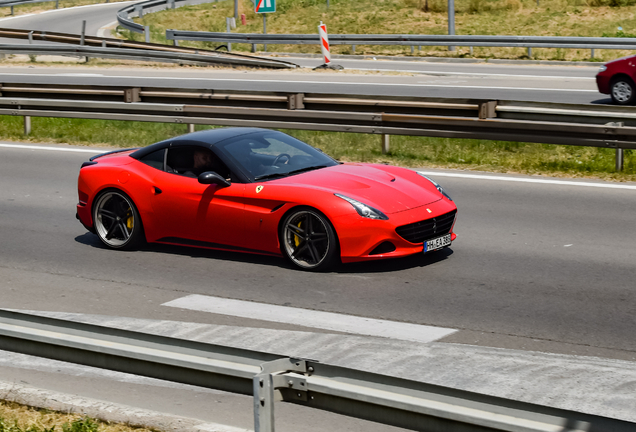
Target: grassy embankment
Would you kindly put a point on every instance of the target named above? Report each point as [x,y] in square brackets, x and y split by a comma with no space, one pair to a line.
[405,151]
[478,17]
[19,418]
[41,7]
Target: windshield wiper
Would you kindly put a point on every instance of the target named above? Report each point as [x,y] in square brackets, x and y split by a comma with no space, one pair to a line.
[311,168]
[270,176]
[280,175]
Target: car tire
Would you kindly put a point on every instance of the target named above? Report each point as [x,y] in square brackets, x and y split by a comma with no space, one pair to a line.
[623,91]
[116,220]
[308,240]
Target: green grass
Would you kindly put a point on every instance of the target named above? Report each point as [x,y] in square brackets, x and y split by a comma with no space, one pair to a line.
[483,17]
[20,418]
[495,156]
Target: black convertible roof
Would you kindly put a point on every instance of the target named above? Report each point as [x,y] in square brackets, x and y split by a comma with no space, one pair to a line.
[209,137]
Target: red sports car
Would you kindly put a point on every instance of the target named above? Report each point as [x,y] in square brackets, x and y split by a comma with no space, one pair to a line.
[262,191]
[617,78]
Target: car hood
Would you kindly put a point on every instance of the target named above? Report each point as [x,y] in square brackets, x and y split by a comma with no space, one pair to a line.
[388,189]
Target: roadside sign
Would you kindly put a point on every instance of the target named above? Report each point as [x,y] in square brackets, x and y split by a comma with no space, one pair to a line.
[265,6]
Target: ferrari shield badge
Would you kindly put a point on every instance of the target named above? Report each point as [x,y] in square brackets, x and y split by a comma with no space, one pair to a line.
[259,188]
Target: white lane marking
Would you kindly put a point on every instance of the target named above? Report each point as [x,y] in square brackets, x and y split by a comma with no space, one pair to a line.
[314,319]
[62,149]
[279,81]
[479,74]
[102,30]
[528,180]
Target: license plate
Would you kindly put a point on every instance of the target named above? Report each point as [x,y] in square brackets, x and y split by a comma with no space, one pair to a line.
[437,243]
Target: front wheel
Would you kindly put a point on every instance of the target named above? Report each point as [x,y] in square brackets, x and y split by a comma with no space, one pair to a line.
[623,91]
[116,219]
[308,240]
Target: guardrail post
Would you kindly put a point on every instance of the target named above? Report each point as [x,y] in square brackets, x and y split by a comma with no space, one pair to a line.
[83,32]
[27,125]
[30,35]
[592,56]
[139,10]
[57,4]
[529,52]
[385,143]
[619,159]
[147,33]
[190,127]
[11,10]
[132,95]
[353,49]
[471,51]
[175,42]
[488,109]
[296,101]
[267,381]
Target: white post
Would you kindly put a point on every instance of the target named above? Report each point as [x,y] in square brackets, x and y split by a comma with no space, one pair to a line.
[227,29]
[27,125]
[265,30]
[451,21]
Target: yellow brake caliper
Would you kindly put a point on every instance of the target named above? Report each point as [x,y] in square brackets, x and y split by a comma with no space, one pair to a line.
[296,238]
[129,220]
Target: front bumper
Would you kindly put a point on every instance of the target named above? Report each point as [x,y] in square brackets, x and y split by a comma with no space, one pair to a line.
[603,82]
[359,236]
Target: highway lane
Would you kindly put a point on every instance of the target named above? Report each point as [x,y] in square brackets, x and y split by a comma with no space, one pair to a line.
[575,90]
[536,266]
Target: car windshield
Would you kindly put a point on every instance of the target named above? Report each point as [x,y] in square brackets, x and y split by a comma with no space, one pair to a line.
[270,154]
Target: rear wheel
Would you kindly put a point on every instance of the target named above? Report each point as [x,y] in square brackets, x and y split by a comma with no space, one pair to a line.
[623,91]
[308,240]
[116,220]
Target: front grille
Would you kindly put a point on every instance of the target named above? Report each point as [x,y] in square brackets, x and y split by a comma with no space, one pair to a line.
[421,231]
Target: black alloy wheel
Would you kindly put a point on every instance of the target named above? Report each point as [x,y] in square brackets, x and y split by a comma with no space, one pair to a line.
[308,240]
[116,219]
[623,91]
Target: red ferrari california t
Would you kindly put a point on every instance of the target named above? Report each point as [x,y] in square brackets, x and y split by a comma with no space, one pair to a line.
[262,191]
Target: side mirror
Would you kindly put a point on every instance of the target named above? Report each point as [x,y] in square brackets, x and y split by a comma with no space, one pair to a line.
[210,177]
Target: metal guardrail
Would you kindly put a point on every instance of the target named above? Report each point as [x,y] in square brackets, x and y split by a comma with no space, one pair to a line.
[379,398]
[139,9]
[528,42]
[93,46]
[409,40]
[548,123]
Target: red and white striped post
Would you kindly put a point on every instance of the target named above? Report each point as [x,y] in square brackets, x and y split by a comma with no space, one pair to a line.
[324,43]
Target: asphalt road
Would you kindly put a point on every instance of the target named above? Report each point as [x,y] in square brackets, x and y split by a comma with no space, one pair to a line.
[537,267]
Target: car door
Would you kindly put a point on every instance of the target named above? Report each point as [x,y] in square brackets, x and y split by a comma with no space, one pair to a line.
[188,212]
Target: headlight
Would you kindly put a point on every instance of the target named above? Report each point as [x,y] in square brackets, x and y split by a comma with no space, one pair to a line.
[363,209]
[439,188]
[602,68]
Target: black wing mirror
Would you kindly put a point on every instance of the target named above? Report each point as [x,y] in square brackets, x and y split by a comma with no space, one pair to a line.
[210,177]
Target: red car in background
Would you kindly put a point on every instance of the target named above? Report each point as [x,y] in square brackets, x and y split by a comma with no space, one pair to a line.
[617,79]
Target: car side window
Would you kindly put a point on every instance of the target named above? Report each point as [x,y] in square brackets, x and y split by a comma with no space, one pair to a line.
[191,161]
[155,159]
